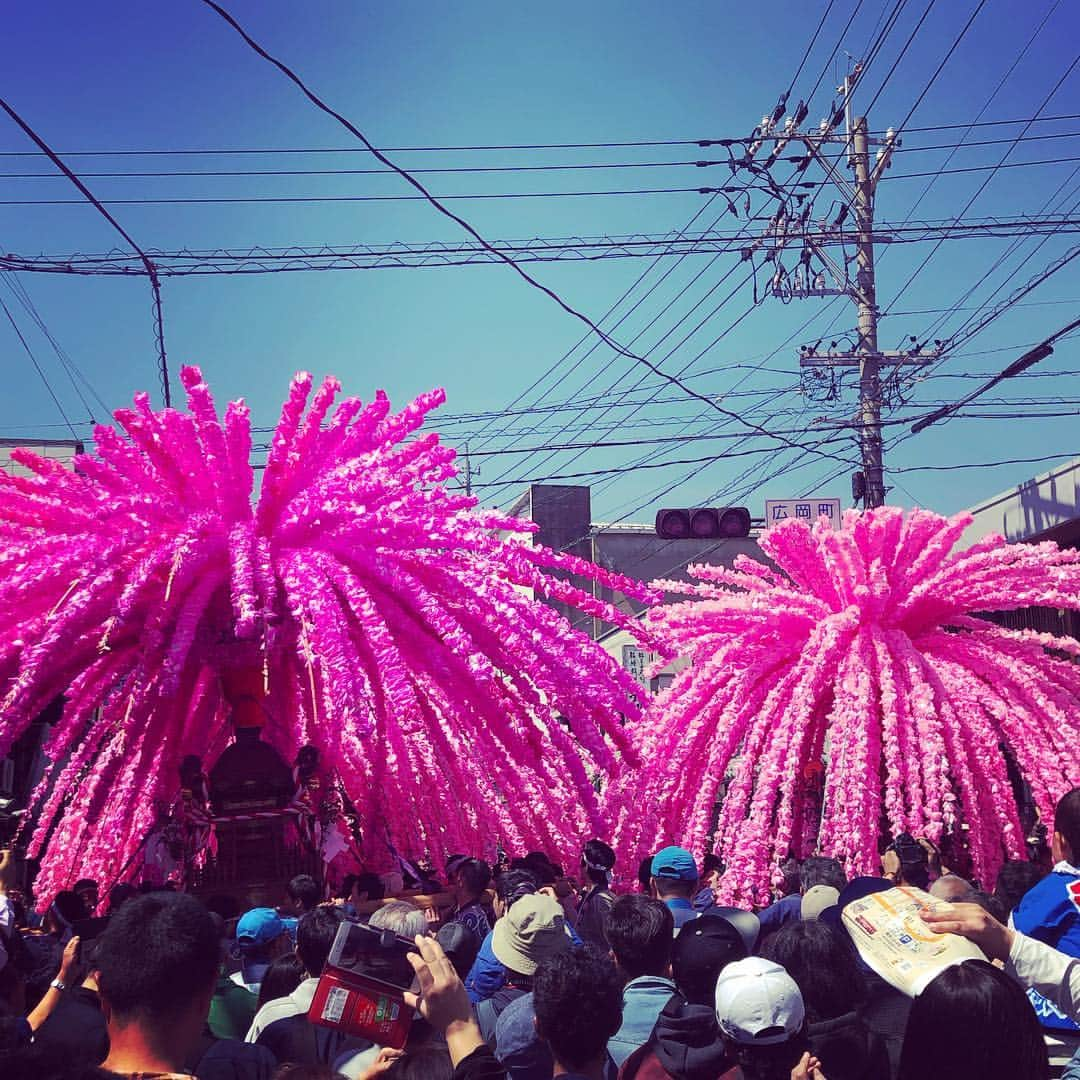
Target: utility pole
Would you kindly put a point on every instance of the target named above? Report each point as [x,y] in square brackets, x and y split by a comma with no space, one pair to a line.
[469,472]
[866,298]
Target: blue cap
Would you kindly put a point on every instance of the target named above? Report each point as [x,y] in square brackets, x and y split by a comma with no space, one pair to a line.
[674,863]
[259,926]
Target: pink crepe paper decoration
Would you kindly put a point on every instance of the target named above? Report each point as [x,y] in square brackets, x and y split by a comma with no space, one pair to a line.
[395,630]
[860,656]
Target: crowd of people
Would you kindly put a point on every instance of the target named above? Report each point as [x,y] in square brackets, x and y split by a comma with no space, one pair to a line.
[531,973]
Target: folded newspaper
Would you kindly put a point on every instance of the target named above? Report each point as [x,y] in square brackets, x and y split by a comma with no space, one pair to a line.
[893,940]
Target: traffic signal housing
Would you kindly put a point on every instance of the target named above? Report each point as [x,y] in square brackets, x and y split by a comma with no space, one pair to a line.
[703,523]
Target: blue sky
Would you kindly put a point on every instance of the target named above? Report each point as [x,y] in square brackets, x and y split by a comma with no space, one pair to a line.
[138,76]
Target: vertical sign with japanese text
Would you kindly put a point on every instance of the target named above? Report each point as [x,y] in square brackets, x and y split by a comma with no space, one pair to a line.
[636,661]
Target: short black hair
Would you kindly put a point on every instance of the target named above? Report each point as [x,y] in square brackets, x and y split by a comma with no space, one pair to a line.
[711,862]
[822,870]
[790,871]
[157,953]
[644,873]
[69,905]
[85,883]
[578,1001]
[598,854]
[1067,820]
[304,889]
[369,884]
[973,1020]
[540,865]
[823,964]
[282,977]
[120,894]
[315,935]
[428,1061]
[1014,879]
[512,885]
[640,932]
[474,874]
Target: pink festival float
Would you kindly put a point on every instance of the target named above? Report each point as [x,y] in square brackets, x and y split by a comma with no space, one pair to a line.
[357,605]
[853,693]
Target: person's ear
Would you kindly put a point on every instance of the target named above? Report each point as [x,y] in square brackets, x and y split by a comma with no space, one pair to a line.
[1060,849]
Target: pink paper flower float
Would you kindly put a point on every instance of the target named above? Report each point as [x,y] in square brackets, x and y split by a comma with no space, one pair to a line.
[854,692]
[386,620]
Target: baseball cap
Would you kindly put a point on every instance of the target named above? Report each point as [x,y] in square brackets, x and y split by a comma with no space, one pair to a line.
[703,947]
[758,1003]
[746,922]
[675,863]
[532,930]
[816,900]
[259,926]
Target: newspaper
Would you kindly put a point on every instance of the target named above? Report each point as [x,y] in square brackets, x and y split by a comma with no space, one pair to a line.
[894,941]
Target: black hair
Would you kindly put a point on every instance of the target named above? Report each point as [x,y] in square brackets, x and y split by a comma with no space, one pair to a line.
[770,1062]
[474,875]
[823,964]
[70,907]
[120,894]
[514,884]
[578,1001]
[371,885]
[1014,879]
[640,932]
[973,1022]
[347,884]
[540,865]
[644,873]
[676,887]
[597,853]
[228,907]
[282,977]
[822,870]
[990,904]
[315,935]
[428,1061]
[710,863]
[85,883]
[305,889]
[1067,820]
[157,953]
[790,870]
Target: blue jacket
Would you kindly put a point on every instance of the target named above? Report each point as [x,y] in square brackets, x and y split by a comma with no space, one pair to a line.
[1050,912]
[487,975]
[643,999]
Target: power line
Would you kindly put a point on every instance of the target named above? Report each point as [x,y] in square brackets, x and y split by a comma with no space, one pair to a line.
[155,285]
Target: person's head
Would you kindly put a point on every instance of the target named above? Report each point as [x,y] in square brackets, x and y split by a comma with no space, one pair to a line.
[712,870]
[761,1018]
[674,873]
[906,862]
[366,887]
[790,877]
[428,1061]
[512,885]
[471,878]
[1066,843]
[282,977]
[644,875]
[702,949]
[307,758]
[639,932]
[190,770]
[822,962]
[120,894]
[157,964]
[973,1022]
[400,917]
[261,935]
[1014,879]
[315,935]
[86,889]
[303,893]
[540,866]
[66,910]
[577,998]
[821,870]
[461,946]
[531,931]
[951,888]
[597,861]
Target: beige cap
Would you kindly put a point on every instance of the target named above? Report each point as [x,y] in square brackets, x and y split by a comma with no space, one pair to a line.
[816,900]
[532,930]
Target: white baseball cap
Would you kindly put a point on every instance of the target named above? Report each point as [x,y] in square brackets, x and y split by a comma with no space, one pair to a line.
[758,1003]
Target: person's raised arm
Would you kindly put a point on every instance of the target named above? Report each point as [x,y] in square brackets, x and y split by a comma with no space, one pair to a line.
[43,1010]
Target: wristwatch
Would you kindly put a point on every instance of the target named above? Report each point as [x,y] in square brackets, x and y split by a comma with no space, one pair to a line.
[56,984]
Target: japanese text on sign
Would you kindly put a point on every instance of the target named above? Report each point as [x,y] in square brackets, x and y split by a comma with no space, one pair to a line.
[636,661]
[809,510]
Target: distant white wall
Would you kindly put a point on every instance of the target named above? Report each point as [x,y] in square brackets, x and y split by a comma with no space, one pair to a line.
[1045,507]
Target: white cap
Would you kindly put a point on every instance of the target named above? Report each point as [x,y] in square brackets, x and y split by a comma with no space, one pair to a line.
[758,1003]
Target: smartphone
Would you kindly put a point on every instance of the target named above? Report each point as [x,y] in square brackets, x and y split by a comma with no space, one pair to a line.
[361,989]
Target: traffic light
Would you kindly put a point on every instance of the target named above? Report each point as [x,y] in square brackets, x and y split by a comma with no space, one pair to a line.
[703,523]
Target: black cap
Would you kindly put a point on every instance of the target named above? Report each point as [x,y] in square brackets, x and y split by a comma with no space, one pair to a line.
[703,948]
